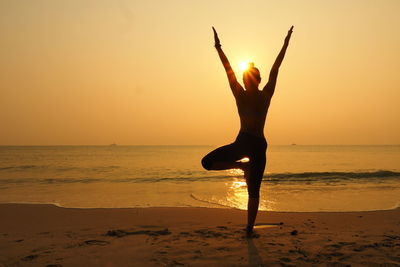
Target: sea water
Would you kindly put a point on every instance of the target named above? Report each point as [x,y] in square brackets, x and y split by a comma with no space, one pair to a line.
[297,177]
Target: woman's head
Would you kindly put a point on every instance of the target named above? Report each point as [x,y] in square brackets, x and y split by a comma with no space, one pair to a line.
[251,77]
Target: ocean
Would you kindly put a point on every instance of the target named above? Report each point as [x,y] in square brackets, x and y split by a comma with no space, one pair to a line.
[297,177]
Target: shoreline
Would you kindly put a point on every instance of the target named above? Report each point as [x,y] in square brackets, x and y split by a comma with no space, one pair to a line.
[44,234]
[216,206]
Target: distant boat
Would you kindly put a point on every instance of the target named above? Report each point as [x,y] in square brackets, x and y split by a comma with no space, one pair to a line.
[294,144]
[114,144]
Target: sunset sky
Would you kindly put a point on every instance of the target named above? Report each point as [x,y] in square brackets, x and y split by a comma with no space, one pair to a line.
[82,72]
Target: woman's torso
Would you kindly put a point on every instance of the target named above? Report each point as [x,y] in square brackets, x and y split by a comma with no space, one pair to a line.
[252,108]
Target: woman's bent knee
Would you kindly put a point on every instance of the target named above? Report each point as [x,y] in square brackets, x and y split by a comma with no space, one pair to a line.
[206,163]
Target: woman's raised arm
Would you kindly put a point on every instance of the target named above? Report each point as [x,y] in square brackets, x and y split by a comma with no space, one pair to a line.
[235,86]
[269,88]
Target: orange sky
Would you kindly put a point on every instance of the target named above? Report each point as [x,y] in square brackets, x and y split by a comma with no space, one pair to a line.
[145,72]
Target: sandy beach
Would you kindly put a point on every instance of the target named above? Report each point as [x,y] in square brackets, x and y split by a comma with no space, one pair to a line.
[46,235]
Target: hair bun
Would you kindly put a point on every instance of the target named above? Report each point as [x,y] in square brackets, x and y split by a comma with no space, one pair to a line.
[251,64]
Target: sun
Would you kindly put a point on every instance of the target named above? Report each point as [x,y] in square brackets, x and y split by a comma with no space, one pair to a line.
[244,65]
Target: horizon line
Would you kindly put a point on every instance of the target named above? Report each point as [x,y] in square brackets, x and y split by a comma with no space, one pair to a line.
[113,145]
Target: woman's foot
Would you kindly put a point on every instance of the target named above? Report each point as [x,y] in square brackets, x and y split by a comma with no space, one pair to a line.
[250,233]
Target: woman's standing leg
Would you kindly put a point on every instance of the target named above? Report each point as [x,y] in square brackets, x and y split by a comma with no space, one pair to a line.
[254,177]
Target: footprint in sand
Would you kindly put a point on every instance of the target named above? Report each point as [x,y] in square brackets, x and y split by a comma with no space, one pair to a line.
[185,233]
[96,242]
[208,233]
[43,233]
[285,259]
[121,233]
[30,257]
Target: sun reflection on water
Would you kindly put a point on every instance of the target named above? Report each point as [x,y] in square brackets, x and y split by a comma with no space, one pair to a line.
[236,172]
[236,193]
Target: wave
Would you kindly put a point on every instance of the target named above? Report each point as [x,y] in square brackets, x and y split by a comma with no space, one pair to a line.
[21,167]
[58,168]
[111,180]
[209,202]
[305,177]
[330,176]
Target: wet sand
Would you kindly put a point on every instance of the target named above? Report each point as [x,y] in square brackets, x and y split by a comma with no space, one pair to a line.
[46,235]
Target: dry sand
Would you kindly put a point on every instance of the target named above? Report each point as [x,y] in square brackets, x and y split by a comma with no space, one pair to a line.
[46,235]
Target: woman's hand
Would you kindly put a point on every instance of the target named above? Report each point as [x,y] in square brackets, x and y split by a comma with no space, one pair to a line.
[289,34]
[216,39]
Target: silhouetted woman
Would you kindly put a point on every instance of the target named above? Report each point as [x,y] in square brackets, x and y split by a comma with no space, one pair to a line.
[252,106]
